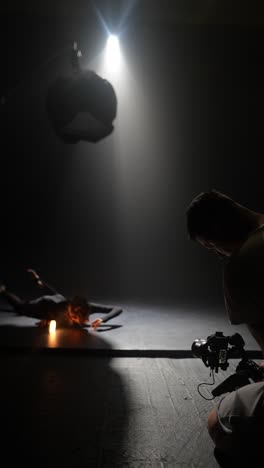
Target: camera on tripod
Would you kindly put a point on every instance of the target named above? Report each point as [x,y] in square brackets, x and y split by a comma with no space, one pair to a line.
[215,352]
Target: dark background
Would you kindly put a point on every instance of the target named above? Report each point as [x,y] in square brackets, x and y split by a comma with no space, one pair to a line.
[108,220]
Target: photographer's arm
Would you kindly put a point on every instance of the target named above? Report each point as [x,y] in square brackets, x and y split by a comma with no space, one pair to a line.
[215,429]
[238,413]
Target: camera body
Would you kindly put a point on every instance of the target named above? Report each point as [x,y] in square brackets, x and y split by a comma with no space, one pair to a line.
[215,352]
[217,349]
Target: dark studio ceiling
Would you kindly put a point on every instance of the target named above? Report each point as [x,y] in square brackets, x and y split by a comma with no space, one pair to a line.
[241,12]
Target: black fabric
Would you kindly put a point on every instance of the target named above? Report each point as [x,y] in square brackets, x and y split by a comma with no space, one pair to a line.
[84,92]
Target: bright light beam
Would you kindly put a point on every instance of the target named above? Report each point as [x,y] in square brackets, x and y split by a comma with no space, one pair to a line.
[101,19]
[113,54]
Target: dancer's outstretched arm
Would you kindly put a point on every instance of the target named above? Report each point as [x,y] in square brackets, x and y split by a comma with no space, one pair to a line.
[110,311]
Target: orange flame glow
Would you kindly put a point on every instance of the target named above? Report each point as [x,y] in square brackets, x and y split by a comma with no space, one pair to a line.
[52,327]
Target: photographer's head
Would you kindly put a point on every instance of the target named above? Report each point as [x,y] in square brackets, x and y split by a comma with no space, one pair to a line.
[219,223]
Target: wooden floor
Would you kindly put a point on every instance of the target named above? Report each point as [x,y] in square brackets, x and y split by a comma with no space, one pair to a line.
[134,404]
[79,411]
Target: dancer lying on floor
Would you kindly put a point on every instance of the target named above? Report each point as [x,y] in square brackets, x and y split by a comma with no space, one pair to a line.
[54,306]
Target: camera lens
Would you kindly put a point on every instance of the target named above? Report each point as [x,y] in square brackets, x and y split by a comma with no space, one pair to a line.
[198,347]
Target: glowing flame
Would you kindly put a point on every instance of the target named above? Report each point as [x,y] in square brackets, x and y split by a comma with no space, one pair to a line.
[52,327]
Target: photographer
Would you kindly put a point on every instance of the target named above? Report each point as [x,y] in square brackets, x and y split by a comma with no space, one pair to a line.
[236,235]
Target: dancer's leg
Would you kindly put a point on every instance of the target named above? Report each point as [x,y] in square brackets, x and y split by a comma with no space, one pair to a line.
[10,297]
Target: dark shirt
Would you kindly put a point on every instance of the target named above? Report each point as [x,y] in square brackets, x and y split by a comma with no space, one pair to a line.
[244,280]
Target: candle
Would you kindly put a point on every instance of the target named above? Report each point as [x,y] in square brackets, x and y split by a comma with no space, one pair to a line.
[52,327]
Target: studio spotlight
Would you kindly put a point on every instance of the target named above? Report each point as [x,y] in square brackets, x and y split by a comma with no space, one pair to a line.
[113,52]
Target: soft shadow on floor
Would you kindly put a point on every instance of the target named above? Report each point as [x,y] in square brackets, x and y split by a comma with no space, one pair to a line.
[62,410]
